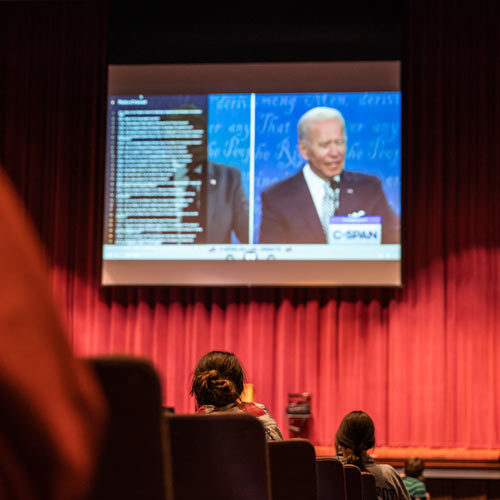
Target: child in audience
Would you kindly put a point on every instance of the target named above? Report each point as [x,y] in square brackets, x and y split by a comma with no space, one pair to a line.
[355,437]
[217,385]
[414,479]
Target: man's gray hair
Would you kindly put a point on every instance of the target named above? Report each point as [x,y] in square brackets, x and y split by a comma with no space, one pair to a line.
[318,114]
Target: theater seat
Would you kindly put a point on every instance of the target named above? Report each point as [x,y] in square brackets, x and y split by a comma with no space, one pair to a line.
[369,486]
[293,470]
[353,482]
[331,482]
[132,465]
[218,457]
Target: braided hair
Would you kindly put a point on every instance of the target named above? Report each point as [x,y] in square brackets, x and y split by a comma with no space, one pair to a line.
[356,434]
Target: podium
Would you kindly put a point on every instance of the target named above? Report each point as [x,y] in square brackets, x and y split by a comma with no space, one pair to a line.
[298,412]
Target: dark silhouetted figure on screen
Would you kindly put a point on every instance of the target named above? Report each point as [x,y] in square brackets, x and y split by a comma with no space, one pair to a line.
[219,198]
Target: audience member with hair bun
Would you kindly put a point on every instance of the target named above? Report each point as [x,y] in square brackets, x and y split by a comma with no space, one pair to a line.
[355,437]
[218,383]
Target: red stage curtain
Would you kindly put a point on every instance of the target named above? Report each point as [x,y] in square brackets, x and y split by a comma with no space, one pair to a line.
[422,360]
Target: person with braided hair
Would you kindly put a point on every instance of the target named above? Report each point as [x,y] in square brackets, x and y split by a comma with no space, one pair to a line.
[355,437]
[217,385]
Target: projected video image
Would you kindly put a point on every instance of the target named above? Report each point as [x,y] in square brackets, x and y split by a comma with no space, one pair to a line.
[231,169]
[217,174]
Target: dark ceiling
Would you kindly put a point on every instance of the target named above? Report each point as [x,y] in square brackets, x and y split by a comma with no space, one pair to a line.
[223,31]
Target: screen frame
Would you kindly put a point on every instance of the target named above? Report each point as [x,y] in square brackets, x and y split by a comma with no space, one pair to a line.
[273,77]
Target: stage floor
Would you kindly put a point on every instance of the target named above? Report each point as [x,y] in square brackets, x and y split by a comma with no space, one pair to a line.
[459,463]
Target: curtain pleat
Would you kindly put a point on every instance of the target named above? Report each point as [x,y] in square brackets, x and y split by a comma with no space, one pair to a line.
[422,360]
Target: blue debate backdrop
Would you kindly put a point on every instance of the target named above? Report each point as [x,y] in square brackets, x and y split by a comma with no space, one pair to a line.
[373,125]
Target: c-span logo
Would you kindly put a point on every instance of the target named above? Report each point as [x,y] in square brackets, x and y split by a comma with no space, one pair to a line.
[356,230]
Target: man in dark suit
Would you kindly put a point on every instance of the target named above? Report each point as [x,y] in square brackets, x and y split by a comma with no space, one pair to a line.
[227,205]
[219,204]
[297,209]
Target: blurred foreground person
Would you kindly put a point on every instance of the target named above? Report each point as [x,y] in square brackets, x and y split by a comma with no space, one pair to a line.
[52,411]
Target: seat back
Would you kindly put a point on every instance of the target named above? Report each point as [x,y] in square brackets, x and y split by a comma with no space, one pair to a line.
[133,458]
[218,456]
[293,470]
[353,484]
[331,482]
[369,486]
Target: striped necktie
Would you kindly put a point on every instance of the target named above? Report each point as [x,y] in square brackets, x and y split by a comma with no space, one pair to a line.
[327,209]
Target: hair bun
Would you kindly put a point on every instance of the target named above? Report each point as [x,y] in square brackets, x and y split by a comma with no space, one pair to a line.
[208,378]
[217,379]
